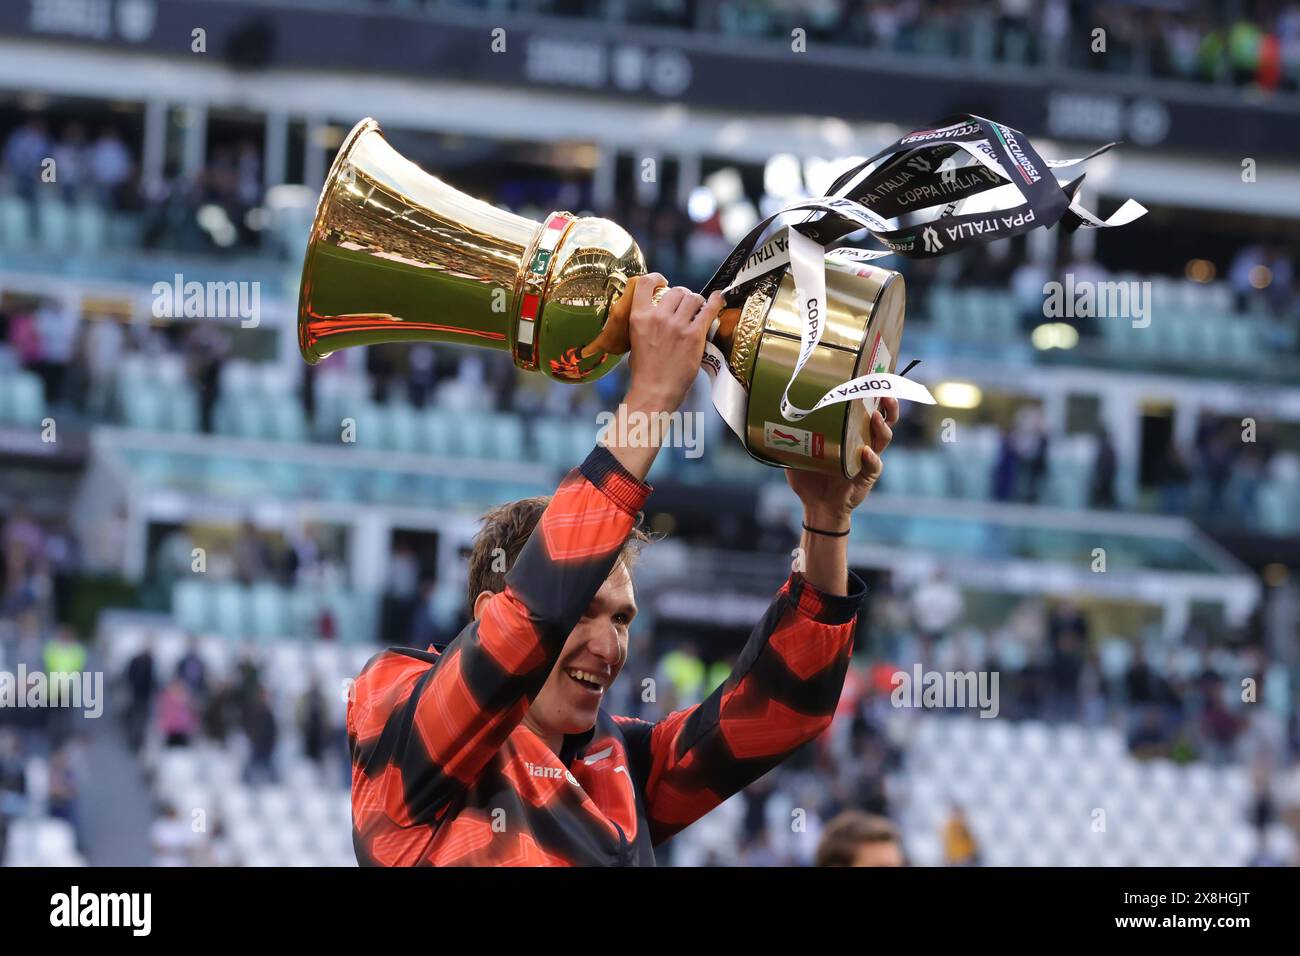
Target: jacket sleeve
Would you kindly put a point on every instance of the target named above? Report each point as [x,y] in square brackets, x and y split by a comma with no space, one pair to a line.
[781,694]
[421,727]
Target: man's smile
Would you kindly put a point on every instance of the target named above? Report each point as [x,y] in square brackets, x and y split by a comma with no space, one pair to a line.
[589,682]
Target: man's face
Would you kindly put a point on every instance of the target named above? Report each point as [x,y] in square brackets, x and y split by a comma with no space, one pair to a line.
[592,657]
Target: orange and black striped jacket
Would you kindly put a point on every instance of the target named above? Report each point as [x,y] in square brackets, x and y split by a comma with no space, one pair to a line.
[444,773]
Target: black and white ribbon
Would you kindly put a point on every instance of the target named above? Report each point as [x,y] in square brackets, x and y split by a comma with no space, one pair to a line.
[907,197]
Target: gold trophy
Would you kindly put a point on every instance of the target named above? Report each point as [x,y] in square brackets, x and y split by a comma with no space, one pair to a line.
[396,255]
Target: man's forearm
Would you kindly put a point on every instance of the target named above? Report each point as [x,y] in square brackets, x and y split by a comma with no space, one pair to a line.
[826,559]
[636,456]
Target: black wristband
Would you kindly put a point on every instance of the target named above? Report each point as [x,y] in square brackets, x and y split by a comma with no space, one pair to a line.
[828,534]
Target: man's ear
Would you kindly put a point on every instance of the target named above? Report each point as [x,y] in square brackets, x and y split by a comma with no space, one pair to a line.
[480,603]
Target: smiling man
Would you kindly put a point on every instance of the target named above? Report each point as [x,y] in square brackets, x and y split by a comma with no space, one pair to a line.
[497,751]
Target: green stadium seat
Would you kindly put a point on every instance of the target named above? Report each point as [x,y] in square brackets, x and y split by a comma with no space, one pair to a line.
[143,405]
[15,222]
[90,226]
[191,605]
[53,225]
[25,402]
[229,603]
[268,610]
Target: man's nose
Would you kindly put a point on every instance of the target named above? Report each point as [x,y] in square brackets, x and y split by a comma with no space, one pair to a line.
[603,642]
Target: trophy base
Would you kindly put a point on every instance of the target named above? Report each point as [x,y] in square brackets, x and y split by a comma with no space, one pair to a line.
[862,334]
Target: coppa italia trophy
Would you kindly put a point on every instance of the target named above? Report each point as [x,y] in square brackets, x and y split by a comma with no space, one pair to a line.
[808,340]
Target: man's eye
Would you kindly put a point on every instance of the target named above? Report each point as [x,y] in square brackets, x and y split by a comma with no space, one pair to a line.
[622,619]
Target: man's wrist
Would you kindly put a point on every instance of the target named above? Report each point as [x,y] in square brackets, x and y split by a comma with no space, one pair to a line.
[826,519]
[650,401]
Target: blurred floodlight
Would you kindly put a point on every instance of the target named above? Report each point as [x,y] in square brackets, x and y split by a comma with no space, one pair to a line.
[1200,270]
[737,219]
[702,204]
[781,176]
[818,174]
[213,220]
[1261,277]
[1054,335]
[290,196]
[726,185]
[837,133]
[958,395]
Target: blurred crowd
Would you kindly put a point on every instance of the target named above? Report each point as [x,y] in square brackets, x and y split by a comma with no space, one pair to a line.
[210,211]
[1243,43]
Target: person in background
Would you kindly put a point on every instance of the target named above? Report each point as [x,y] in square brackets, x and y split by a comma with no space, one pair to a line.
[192,670]
[854,838]
[141,683]
[26,149]
[13,785]
[65,659]
[937,604]
[57,325]
[220,711]
[177,720]
[312,721]
[260,726]
[110,168]
[1105,470]
[63,802]
[71,154]
[959,846]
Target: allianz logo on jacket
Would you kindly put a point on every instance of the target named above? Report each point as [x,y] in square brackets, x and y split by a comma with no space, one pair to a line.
[538,770]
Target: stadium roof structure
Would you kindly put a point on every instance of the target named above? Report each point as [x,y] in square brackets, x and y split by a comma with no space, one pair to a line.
[550,92]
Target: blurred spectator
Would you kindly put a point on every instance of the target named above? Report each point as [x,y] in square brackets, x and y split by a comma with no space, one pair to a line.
[206,347]
[312,722]
[63,656]
[959,846]
[13,785]
[72,162]
[111,167]
[177,720]
[25,151]
[936,605]
[141,682]
[252,555]
[220,711]
[63,799]
[191,669]
[1104,470]
[57,325]
[260,726]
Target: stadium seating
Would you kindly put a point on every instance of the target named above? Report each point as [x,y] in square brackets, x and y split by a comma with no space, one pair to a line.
[22,399]
[1064,795]
[302,820]
[153,394]
[41,841]
[265,611]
